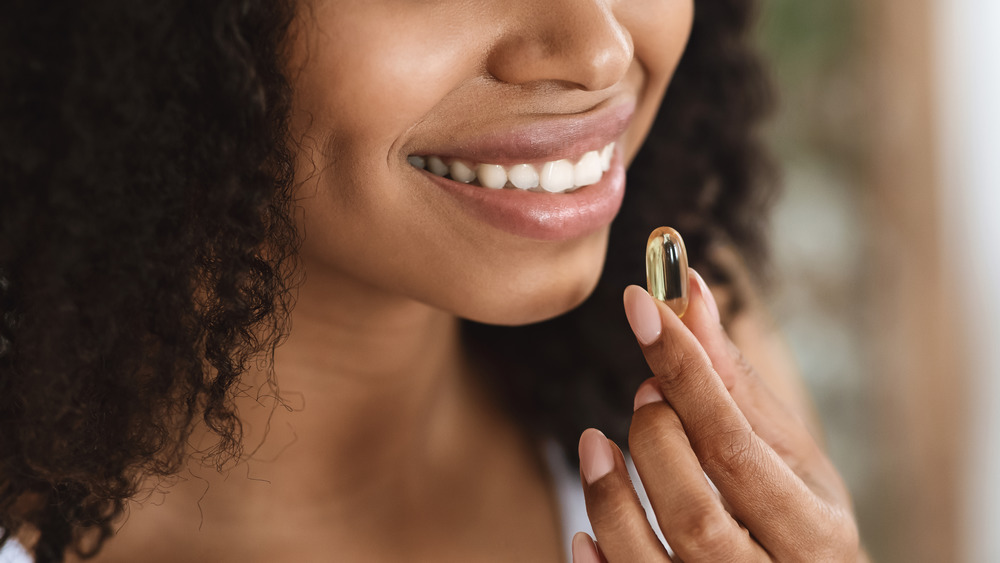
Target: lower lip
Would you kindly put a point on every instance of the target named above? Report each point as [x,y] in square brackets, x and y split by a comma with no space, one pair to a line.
[544,216]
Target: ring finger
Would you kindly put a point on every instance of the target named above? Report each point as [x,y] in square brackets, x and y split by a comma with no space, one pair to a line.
[617,517]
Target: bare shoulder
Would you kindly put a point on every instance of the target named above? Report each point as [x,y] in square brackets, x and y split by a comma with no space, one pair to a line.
[754,331]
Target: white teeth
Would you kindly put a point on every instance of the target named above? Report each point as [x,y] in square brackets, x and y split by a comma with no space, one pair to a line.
[523,176]
[606,154]
[556,176]
[437,166]
[491,176]
[461,172]
[588,170]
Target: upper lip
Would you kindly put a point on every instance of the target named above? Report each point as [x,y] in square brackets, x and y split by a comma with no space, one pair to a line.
[541,139]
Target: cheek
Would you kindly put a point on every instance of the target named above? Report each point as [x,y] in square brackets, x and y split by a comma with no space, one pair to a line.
[363,72]
[660,30]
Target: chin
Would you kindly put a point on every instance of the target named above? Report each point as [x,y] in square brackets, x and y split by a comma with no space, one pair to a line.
[534,296]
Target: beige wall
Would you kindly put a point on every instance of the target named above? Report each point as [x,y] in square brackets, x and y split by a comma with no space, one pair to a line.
[917,358]
[865,297]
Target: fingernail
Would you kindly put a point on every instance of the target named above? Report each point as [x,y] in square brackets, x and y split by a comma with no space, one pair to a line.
[648,393]
[595,455]
[584,550]
[642,314]
[706,295]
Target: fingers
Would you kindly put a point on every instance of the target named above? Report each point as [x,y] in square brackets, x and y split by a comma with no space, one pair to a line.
[782,429]
[689,512]
[768,416]
[618,520]
[765,495]
[585,550]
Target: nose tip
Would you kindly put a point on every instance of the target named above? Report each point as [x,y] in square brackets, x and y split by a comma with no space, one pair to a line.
[568,41]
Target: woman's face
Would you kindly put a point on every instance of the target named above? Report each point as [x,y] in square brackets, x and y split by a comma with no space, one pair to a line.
[534,91]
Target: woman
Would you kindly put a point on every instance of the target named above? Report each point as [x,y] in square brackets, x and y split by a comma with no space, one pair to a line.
[262,304]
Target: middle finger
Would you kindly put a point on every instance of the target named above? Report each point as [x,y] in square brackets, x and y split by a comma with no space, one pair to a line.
[688,511]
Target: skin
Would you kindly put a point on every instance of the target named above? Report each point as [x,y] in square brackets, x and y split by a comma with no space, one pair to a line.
[706,411]
[358,117]
[384,448]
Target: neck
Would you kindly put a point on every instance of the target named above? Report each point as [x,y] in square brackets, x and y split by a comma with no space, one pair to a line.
[370,380]
[376,402]
[379,427]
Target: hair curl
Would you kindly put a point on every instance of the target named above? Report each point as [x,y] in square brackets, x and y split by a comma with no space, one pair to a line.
[147,250]
[146,246]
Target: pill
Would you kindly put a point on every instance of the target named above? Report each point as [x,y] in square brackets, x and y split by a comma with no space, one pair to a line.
[667,269]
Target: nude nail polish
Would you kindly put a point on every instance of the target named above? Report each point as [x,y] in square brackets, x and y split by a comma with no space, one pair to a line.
[647,393]
[643,315]
[706,295]
[596,457]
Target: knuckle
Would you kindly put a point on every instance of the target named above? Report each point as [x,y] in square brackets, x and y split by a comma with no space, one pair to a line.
[804,457]
[799,452]
[651,428]
[837,539]
[675,366]
[742,363]
[729,448]
[614,517]
[705,536]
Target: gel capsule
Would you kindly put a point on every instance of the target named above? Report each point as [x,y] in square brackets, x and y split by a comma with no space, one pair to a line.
[667,269]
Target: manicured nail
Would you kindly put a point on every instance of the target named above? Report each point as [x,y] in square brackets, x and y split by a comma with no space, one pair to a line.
[643,315]
[706,295]
[596,458]
[584,549]
[648,393]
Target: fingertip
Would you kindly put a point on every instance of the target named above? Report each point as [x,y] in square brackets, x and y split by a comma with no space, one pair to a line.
[648,393]
[702,289]
[643,315]
[584,549]
[705,324]
[596,456]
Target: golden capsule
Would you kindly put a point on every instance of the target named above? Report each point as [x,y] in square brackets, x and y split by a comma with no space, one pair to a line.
[667,269]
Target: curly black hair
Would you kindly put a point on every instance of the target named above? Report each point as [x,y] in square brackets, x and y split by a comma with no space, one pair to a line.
[148,253]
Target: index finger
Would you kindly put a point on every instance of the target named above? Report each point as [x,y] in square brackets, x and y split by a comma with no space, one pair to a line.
[764,493]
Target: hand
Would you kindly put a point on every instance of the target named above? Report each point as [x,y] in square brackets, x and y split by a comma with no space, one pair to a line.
[707,412]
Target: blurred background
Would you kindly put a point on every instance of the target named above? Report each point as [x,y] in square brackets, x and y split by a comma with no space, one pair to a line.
[888,246]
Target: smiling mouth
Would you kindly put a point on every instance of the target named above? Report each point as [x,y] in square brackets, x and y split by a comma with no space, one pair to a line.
[557,176]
